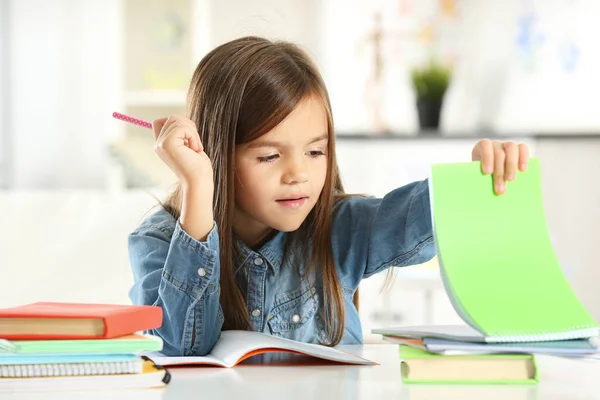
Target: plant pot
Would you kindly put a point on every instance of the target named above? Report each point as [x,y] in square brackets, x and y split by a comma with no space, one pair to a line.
[429,113]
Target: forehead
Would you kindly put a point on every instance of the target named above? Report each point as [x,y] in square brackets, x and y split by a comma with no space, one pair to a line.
[306,122]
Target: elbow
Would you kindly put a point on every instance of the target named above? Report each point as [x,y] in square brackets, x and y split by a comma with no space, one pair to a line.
[171,348]
[206,329]
[204,344]
[171,351]
[175,343]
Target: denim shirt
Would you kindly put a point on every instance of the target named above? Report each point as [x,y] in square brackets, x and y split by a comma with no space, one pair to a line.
[181,274]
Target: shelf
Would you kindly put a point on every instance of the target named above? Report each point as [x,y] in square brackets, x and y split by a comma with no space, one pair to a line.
[440,135]
[156,98]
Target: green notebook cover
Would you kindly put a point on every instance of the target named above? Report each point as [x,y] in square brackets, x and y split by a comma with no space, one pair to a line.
[125,344]
[496,257]
[408,352]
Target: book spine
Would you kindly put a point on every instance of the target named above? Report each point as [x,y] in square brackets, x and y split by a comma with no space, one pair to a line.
[70,369]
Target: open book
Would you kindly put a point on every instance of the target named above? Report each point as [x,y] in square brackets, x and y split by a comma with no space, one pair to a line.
[497,262]
[235,346]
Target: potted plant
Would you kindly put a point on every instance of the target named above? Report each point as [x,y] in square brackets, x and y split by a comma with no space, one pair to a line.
[430,84]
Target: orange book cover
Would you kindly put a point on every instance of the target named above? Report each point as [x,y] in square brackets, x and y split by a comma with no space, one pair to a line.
[119,320]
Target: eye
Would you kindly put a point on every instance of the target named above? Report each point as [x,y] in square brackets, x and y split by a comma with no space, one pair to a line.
[268,159]
[316,153]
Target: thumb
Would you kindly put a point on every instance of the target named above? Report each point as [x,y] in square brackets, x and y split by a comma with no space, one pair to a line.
[157,126]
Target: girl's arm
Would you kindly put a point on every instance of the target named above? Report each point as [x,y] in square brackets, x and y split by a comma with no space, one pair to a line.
[395,230]
[181,275]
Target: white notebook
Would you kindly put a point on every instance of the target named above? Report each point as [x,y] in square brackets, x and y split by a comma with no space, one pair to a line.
[151,376]
[71,369]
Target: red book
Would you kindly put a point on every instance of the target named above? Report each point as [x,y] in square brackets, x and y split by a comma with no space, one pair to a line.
[39,321]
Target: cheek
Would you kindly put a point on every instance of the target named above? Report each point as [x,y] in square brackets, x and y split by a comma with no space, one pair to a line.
[249,186]
[320,173]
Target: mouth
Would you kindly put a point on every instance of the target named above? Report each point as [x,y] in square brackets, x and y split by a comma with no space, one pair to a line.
[293,202]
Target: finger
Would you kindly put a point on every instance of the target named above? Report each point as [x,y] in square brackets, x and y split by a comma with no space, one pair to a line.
[196,144]
[187,129]
[486,149]
[499,159]
[182,131]
[157,126]
[511,152]
[523,156]
[194,141]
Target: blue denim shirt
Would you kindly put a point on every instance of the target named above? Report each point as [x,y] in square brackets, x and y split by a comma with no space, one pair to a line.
[180,274]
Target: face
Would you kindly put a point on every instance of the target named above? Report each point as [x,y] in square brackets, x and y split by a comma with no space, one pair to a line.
[280,175]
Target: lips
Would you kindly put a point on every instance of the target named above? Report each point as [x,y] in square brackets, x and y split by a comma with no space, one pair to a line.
[293,198]
[293,202]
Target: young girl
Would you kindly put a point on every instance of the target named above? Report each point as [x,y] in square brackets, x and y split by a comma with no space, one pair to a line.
[259,233]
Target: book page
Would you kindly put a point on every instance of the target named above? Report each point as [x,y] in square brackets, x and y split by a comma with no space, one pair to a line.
[166,361]
[452,332]
[570,348]
[235,346]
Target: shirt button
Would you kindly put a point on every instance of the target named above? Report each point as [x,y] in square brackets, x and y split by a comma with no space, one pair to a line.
[296,318]
[256,313]
[201,271]
[258,261]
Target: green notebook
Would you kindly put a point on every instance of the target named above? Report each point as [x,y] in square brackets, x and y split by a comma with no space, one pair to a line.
[419,366]
[125,344]
[496,258]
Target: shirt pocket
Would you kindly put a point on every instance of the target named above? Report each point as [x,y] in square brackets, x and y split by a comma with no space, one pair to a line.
[294,313]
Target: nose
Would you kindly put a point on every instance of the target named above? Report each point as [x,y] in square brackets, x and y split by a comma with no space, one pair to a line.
[295,171]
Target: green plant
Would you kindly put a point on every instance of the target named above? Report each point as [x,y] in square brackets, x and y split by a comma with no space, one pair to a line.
[430,83]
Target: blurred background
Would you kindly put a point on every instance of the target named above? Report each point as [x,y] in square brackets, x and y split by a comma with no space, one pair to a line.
[411,82]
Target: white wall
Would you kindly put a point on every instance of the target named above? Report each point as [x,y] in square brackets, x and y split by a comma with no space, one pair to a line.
[542,92]
[3,94]
[572,205]
[496,84]
[80,250]
[294,20]
[64,83]
[65,65]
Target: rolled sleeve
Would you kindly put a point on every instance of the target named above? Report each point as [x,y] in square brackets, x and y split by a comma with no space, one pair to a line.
[180,274]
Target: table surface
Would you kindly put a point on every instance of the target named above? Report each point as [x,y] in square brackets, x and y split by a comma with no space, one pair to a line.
[288,377]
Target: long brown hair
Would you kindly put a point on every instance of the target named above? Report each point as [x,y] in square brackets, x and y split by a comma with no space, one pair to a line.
[240,91]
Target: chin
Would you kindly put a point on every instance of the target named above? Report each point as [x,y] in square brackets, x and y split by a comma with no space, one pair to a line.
[288,226]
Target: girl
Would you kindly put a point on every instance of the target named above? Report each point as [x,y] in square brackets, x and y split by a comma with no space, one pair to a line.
[259,233]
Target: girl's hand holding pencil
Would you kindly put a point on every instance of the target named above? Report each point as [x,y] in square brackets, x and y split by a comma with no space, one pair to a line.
[177,143]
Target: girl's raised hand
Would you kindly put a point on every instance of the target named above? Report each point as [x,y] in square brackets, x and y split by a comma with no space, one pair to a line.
[502,159]
[178,145]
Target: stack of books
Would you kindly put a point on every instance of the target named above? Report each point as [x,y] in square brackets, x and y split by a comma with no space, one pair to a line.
[72,346]
[503,279]
[462,354]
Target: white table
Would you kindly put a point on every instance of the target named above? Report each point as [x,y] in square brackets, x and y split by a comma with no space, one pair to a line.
[560,379]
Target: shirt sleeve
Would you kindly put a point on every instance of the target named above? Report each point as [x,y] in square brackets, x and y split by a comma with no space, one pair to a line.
[371,234]
[181,275]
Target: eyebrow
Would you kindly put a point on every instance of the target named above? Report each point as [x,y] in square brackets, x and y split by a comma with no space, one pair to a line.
[268,143]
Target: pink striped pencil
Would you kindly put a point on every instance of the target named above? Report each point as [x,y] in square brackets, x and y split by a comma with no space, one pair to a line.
[131,120]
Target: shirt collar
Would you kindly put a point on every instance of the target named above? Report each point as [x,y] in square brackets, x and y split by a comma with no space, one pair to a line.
[272,251]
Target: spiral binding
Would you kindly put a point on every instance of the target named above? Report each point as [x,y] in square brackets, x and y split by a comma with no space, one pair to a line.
[70,369]
[573,332]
